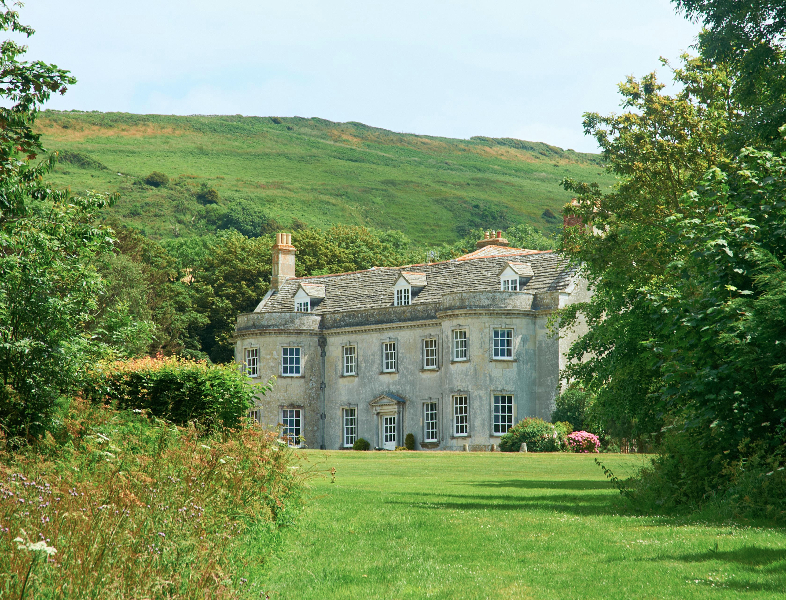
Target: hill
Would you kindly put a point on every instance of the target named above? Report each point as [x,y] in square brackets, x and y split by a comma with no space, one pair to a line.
[270,172]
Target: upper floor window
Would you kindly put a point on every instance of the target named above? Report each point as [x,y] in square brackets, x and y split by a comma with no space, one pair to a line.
[290,362]
[503,343]
[389,357]
[460,346]
[514,276]
[350,360]
[403,297]
[303,306]
[430,354]
[430,422]
[252,362]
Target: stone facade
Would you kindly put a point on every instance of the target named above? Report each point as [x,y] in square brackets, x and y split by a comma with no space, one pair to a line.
[456,363]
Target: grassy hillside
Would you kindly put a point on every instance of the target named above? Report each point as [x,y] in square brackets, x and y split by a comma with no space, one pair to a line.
[312,171]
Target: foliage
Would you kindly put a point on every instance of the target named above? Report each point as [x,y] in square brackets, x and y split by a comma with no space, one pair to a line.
[131,507]
[343,248]
[409,441]
[245,217]
[48,240]
[583,441]
[572,405]
[747,37]
[180,391]
[48,289]
[660,148]
[232,278]
[207,195]
[539,435]
[157,179]
[361,444]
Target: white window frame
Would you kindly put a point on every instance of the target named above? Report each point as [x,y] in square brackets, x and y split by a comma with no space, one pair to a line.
[349,360]
[430,422]
[291,361]
[303,306]
[389,357]
[460,345]
[251,362]
[403,297]
[255,415]
[430,354]
[349,426]
[502,351]
[292,419]
[460,406]
[502,413]
[510,284]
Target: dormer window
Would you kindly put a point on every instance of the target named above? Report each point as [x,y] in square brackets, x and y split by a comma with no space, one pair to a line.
[407,286]
[307,296]
[515,276]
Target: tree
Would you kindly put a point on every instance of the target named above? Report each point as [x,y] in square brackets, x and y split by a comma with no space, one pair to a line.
[659,149]
[48,240]
[747,37]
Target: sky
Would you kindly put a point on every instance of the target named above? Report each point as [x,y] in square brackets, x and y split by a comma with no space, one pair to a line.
[500,68]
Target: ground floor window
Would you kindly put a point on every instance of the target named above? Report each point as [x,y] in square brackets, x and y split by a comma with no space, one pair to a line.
[350,418]
[430,422]
[503,413]
[292,432]
[255,416]
[460,415]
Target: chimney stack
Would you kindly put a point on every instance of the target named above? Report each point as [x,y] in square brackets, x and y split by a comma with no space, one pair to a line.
[283,261]
[571,220]
[489,239]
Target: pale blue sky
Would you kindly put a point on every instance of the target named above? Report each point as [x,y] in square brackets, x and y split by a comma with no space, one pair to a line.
[498,68]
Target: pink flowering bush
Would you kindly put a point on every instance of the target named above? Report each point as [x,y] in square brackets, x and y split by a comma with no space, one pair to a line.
[583,441]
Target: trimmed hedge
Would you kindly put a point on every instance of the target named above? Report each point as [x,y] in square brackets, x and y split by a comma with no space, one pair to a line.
[180,391]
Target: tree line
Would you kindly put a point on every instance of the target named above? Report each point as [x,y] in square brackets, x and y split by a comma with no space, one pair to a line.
[686,347]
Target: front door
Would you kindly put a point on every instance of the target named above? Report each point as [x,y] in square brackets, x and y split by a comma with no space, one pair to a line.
[389,432]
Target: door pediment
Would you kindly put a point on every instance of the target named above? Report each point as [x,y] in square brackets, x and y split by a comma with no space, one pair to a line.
[387,401]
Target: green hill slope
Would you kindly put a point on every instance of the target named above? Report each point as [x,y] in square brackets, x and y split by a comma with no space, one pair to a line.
[282,171]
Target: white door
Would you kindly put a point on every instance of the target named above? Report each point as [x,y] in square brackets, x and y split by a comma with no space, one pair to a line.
[389,432]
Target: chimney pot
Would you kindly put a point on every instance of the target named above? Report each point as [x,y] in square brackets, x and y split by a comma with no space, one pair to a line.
[499,234]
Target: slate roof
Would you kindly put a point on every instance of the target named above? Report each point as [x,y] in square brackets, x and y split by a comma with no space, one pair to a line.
[373,288]
[520,268]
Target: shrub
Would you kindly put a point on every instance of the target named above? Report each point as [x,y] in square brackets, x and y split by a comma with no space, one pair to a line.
[572,406]
[409,441]
[539,435]
[583,441]
[131,507]
[178,390]
[157,179]
[361,444]
[207,195]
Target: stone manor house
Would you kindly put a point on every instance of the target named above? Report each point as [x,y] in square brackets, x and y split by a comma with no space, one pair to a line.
[454,352]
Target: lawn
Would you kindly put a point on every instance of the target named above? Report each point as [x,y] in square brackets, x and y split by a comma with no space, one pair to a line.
[482,525]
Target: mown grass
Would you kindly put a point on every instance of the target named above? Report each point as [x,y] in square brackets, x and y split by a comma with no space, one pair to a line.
[312,170]
[440,525]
